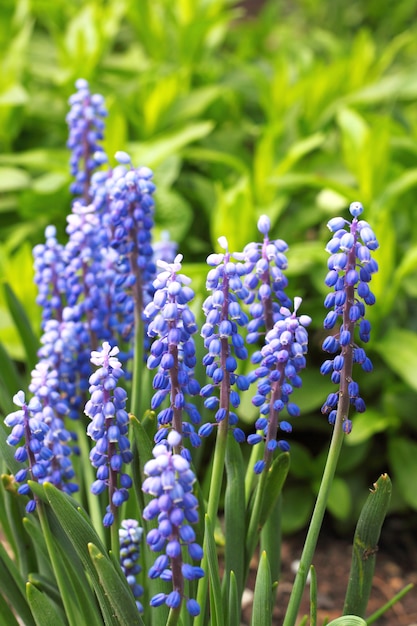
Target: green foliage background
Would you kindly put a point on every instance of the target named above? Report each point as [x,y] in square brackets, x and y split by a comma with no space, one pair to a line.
[293,109]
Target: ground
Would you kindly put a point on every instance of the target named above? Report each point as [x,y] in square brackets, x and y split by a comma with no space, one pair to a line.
[396,567]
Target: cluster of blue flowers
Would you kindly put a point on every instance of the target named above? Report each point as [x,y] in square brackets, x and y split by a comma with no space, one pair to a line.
[224,343]
[172,326]
[130,535]
[351,267]
[170,481]
[280,361]
[97,289]
[109,429]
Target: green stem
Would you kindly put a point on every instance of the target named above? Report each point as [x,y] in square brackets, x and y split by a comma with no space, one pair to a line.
[388,605]
[137,366]
[317,518]
[173,617]
[253,530]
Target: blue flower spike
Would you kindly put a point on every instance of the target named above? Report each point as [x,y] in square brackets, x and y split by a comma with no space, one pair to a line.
[170,482]
[279,363]
[109,430]
[224,343]
[130,536]
[350,270]
[172,325]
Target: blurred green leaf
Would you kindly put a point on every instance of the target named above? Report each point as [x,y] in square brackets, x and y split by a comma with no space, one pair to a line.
[23,325]
[154,152]
[297,506]
[402,454]
[398,348]
[13,179]
[340,501]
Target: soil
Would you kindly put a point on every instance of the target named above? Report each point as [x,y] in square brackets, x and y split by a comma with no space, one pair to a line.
[396,567]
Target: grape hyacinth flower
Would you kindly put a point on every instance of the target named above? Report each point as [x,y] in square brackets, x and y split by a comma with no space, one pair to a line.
[27,424]
[130,536]
[131,218]
[351,267]
[49,266]
[224,344]
[279,363]
[172,325]
[265,281]
[170,482]
[86,126]
[109,429]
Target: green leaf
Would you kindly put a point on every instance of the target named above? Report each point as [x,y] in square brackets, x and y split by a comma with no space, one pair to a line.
[154,152]
[13,179]
[365,546]
[43,610]
[276,477]
[402,454]
[365,426]
[23,325]
[297,151]
[234,514]
[262,599]
[234,206]
[80,533]
[234,602]
[340,501]
[120,596]
[271,540]
[216,607]
[398,348]
[298,504]
[12,587]
[9,375]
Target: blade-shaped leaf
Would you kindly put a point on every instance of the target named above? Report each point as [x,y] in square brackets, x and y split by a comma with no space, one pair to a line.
[80,533]
[42,608]
[29,341]
[262,599]
[120,596]
[235,527]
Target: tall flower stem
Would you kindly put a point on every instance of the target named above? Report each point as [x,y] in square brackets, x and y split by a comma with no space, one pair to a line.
[137,376]
[318,514]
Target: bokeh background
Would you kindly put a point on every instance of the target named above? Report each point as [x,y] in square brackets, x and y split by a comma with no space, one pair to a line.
[293,108]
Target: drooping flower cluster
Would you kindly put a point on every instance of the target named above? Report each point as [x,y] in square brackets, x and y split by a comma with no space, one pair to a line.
[224,344]
[170,482]
[265,281]
[172,325]
[351,267]
[130,535]
[109,429]
[279,363]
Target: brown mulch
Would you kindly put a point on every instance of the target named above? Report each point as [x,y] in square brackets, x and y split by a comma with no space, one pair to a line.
[396,567]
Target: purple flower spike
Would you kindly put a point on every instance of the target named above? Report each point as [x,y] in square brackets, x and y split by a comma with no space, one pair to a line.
[279,364]
[86,126]
[224,344]
[170,481]
[130,535]
[265,281]
[172,324]
[109,429]
[351,268]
